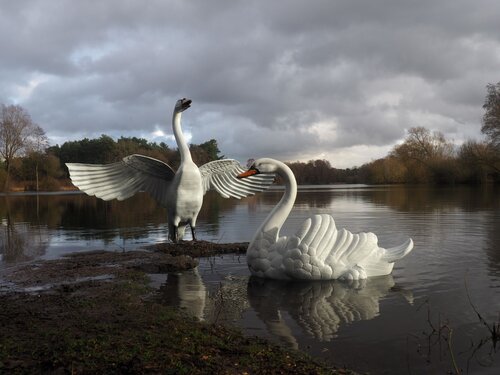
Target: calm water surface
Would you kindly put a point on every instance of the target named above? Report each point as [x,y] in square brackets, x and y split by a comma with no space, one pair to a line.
[419,320]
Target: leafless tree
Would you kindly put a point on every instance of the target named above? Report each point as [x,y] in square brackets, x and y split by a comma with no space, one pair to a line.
[427,155]
[18,135]
[36,146]
[424,146]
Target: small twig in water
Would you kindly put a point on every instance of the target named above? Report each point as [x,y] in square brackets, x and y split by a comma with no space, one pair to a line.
[450,349]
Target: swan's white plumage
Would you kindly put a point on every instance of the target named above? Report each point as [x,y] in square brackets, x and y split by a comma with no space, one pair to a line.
[123,179]
[180,192]
[317,251]
[220,175]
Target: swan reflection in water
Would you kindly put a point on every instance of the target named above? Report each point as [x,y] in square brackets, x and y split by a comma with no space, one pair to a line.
[318,308]
[185,290]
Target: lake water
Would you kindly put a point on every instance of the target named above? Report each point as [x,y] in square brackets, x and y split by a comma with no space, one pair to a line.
[421,319]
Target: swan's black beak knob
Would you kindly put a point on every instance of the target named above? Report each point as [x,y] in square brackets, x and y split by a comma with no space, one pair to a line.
[183,104]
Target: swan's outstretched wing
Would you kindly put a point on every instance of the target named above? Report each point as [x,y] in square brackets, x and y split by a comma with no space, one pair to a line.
[220,175]
[123,179]
[320,251]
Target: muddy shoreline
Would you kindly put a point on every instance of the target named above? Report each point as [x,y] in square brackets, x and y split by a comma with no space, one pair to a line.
[94,312]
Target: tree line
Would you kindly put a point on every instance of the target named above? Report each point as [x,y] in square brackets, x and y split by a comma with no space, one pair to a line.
[425,156]
[428,157]
[28,163]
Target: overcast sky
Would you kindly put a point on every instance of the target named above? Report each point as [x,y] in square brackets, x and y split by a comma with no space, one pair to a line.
[293,80]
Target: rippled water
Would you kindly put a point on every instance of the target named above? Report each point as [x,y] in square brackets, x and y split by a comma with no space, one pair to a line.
[420,319]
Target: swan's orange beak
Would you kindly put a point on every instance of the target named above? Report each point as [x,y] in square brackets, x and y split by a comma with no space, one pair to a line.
[248,173]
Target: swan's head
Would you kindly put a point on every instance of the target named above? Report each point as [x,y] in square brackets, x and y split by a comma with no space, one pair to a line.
[263,165]
[182,105]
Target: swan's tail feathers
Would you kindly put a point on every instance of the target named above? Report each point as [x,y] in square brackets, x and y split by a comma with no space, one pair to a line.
[397,252]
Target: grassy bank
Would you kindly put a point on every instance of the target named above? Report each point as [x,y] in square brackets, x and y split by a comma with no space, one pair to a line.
[95,313]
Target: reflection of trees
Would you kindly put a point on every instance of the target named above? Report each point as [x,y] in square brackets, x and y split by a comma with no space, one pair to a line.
[305,199]
[314,199]
[91,218]
[20,241]
[397,197]
[77,210]
[427,198]
[213,205]
[492,244]
[318,308]
[128,219]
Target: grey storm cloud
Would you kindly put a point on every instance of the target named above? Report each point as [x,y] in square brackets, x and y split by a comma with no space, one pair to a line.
[295,80]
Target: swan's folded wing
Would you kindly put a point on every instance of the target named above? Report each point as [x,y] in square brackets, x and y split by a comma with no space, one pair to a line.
[220,175]
[305,252]
[319,251]
[123,179]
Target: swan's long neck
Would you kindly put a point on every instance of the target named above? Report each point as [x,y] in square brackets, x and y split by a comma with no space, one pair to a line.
[281,211]
[179,137]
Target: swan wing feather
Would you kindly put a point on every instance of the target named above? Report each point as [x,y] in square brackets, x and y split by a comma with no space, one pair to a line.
[319,251]
[220,175]
[123,179]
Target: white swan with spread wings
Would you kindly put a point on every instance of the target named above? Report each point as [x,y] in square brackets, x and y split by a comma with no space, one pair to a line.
[318,251]
[180,192]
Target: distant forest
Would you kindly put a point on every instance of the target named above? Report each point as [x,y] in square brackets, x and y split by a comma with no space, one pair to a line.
[424,157]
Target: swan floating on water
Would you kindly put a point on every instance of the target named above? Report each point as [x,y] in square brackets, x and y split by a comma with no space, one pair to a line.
[180,192]
[318,251]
